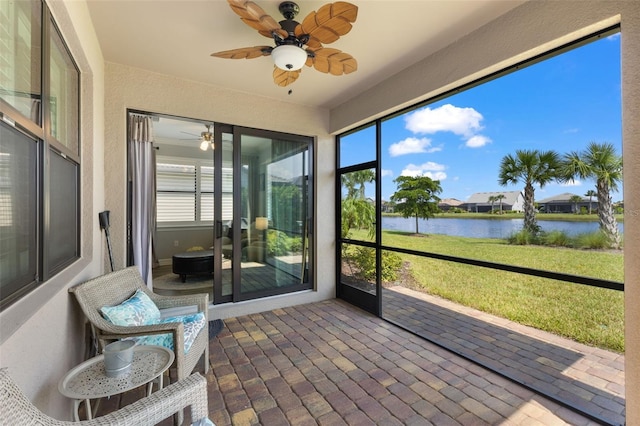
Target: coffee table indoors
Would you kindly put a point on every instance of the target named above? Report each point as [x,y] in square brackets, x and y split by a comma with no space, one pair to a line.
[192,263]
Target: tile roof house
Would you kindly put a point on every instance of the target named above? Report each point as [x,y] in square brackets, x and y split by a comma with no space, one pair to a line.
[447,204]
[42,334]
[480,202]
[562,203]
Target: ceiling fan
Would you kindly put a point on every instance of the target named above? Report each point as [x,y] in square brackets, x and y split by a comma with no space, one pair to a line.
[290,54]
[206,138]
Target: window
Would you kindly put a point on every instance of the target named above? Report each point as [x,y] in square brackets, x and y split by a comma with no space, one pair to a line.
[39,150]
[184,192]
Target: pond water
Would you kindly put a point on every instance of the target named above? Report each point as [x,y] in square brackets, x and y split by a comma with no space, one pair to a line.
[484,228]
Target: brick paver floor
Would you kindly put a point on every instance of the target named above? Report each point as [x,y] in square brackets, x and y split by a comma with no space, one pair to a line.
[587,378]
[330,363]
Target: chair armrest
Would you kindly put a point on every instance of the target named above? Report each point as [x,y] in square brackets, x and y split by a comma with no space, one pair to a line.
[201,300]
[175,328]
[120,331]
[191,391]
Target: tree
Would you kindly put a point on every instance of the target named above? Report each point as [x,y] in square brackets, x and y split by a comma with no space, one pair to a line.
[531,167]
[355,182]
[598,161]
[492,199]
[590,193]
[575,199]
[499,198]
[357,212]
[417,197]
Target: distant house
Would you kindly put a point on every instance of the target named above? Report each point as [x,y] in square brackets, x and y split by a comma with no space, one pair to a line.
[562,203]
[387,206]
[479,202]
[447,204]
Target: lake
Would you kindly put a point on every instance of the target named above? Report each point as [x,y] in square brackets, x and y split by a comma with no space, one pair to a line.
[484,228]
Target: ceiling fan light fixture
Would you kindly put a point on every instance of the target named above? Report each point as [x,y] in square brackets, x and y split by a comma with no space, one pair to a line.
[204,145]
[288,57]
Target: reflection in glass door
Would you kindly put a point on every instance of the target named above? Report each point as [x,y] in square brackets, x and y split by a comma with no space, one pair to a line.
[223,244]
[274,197]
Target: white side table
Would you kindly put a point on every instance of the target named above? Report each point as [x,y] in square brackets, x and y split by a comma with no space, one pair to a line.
[88,381]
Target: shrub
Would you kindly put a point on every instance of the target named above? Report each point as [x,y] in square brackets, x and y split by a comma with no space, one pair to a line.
[280,244]
[364,259]
[557,238]
[523,238]
[593,240]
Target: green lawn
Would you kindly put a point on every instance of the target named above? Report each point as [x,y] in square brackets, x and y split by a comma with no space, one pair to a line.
[589,315]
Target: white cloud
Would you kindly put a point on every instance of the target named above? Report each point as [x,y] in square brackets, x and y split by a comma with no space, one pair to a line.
[572,182]
[429,169]
[412,146]
[614,36]
[447,118]
[386,172]
[477,141]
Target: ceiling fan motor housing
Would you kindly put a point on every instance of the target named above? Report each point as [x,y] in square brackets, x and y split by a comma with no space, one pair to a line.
[289,9]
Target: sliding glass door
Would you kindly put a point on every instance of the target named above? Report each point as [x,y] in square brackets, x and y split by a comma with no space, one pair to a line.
[233,210]
[272,199]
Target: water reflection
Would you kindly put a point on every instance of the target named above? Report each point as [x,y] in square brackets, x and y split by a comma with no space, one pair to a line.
[484,228]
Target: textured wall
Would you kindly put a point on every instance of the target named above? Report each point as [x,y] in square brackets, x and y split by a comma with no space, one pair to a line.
[631,156]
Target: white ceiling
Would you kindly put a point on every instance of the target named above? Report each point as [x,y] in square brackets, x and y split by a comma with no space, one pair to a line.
[177,37]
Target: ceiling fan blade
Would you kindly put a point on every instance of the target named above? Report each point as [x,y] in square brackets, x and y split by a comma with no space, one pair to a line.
[284,78]
[329,23]
[333,61]
[244,52]
[255,17]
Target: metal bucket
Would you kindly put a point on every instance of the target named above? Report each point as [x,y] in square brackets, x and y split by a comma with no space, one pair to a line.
[118,357]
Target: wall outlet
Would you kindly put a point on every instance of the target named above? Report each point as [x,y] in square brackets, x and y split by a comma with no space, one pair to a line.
[176,243]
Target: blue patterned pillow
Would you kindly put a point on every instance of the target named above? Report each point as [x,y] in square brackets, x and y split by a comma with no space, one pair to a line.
[139,309]
[193,323]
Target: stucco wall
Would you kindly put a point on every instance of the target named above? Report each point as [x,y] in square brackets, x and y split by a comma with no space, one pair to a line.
[128,87]
[531,29]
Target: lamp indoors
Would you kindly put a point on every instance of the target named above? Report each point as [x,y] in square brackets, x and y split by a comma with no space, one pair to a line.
[262,223]
[289,57]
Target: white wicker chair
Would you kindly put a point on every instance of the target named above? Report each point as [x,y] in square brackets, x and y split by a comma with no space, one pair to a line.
[17,410]
[116,287]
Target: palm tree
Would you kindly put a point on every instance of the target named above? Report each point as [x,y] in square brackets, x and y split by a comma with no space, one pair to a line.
[575,199]
[598,161]
[499,198]
[529,167]
[355,182]
[357,212]
[492,199]
[590,193]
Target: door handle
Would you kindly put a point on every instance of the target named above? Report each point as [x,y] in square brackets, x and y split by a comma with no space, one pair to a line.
[218,229]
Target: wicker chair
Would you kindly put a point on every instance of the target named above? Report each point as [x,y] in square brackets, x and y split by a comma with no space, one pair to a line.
[114,288]
[17,410]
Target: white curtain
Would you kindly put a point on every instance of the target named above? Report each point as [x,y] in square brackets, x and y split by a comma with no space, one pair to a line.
[142,172]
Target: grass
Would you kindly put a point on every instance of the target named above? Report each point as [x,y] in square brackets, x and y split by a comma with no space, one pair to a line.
[589,315]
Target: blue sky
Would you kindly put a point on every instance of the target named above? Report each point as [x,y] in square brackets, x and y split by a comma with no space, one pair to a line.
[562,103]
